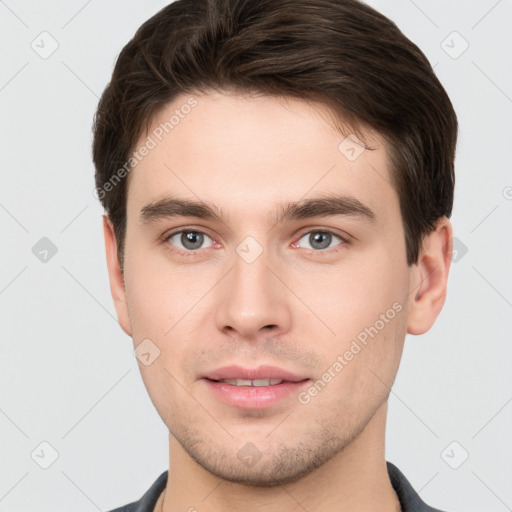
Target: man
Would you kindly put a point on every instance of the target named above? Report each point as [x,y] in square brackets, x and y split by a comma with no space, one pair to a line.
[277,178]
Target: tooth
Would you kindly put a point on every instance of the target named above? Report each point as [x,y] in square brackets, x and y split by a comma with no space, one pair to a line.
[255,382]
[261,382]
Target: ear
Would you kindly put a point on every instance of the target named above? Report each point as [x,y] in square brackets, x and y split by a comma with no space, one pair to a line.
[116,276]
[429,278]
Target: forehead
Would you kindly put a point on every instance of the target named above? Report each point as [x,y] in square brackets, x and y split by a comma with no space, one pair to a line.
[245,152]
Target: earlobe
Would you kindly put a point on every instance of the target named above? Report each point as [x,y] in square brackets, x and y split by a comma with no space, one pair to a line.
[429,278]
[116,278]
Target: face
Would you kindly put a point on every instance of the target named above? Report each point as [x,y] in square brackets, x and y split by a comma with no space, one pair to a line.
[319,289]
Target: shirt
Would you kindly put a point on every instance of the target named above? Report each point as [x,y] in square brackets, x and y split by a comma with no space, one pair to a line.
[408,497]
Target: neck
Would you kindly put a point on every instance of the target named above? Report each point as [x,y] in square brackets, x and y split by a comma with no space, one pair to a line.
[355,480]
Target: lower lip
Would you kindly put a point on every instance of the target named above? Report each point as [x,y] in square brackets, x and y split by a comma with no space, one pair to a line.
[254,397]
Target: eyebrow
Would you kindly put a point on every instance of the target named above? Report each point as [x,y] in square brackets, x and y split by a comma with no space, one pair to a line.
[169,207]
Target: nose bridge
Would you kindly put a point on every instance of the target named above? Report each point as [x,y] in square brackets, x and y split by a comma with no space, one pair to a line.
[253,298]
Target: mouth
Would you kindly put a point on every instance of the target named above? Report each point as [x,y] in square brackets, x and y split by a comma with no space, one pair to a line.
[257,388]
[264,375]
[254,383]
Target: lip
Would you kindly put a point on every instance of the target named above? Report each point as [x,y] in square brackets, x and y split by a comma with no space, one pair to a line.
[253,397]
[262,372]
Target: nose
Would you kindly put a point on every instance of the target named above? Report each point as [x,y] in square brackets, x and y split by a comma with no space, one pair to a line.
[253,301]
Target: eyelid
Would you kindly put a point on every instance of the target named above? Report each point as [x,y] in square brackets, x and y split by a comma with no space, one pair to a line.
[182,229]
[319,229]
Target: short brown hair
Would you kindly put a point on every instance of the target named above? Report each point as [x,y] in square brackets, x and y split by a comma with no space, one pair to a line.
[341,53]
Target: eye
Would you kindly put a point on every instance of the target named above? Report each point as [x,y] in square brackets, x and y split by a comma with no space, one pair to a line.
[319,240]
[187,240]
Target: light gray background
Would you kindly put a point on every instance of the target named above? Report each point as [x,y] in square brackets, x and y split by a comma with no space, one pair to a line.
[68,375]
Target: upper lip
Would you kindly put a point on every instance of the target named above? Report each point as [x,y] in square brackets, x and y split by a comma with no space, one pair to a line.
[262,372]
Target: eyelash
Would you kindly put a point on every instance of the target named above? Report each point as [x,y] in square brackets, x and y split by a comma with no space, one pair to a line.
[320,252]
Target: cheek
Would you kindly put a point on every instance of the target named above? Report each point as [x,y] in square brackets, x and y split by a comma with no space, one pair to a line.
[167,304]
[363,304]
[352,295]
[157,292]
[367,313]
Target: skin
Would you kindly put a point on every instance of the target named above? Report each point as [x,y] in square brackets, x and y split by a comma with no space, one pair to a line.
[246,154]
